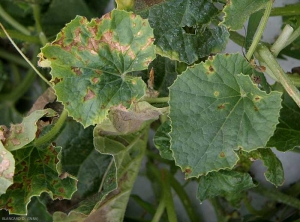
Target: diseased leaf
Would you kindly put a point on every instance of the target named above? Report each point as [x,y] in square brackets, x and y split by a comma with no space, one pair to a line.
[36,172]
[238,11]
[223,183]
[91,61]
[22,134]
[120,175]
[215,110]
[181,29]
[162,140]
[7,168]
[127,5]
[287,134]
[80,159]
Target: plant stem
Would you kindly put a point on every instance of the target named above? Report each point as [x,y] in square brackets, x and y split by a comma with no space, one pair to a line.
[157,100]
[219,210]
[159,211]
[293,37]
[289,10]
[271,62]
[260,30]
[21,53]
[278,196]
[20,36]
[13,22]
[37,18]
[21,89]
[249,207]
[280,42]
[185,200]
[168,199]
[13,58]
[237,38]
[48,137]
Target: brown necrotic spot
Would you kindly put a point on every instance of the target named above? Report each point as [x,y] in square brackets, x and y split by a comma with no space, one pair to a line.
[89,95]
[211,69]
[56,80]
[15,141]
[257,98]
[133,16]
[211,57]
[188,170]
[222,154]
[255,108]
[76,70]
[95,80]
[222,106]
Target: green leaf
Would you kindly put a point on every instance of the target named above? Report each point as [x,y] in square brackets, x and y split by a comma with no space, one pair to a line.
[22,134]
[222,183]
[215,110]
[287,134]
[37,208]
[164,74]
[238,11]
[36,172]
[274,173]
[55,18]
[162,140]
[91,61]
[181,29]
[7,168]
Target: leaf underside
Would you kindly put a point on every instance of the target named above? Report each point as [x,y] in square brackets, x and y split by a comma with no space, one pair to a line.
[215,110]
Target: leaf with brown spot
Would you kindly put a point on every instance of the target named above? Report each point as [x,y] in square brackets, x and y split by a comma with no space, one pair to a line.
[219,124]
[7,169]
[36,171]
[94,61]
[21,134]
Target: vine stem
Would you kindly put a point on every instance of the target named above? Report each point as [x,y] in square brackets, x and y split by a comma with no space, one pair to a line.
[13,22]
[278,196]
[37,18]
[265,55]
[260,30]
[293,37]
[168,199]
[48,137]
[280,42]
[159,211]
[287,10]
[24,57]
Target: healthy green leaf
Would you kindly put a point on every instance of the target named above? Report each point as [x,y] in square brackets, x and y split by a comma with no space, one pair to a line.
[181,29]
[22,134]
[274,173]
[223,183]
[215,110]
[287,134]
[162,140]
[37,209]
[164,74]
[7,168]
[36,172]
[238,11]
[55,18]
[91,61]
